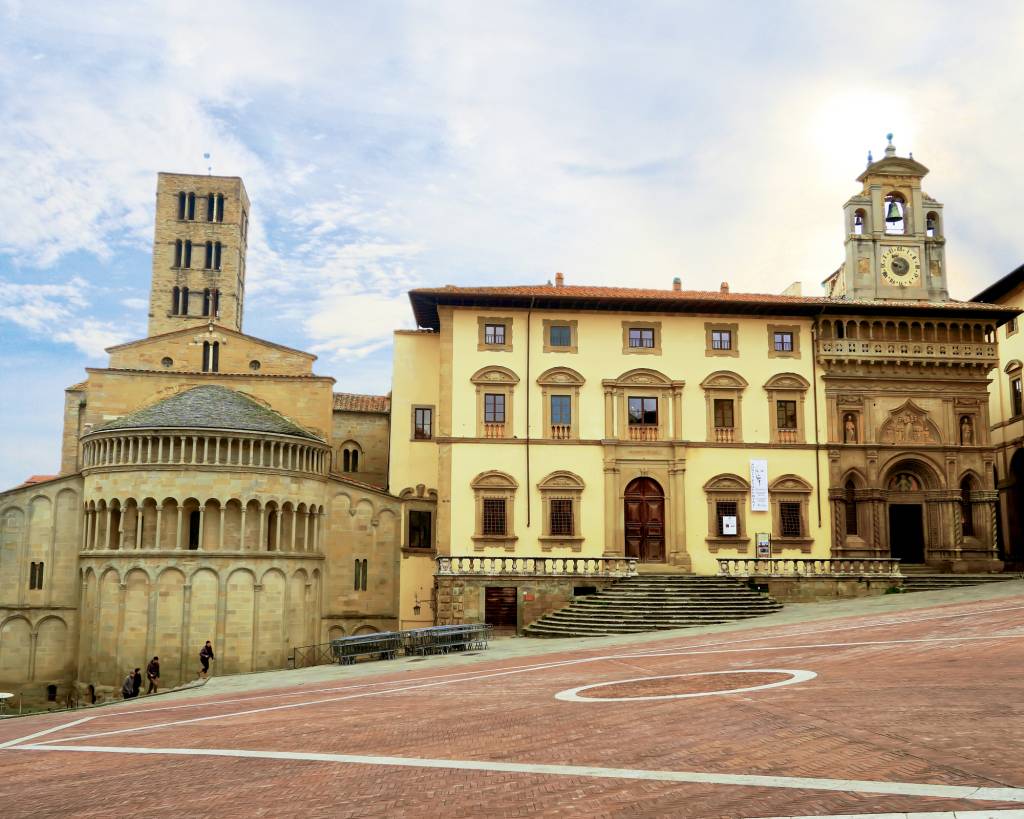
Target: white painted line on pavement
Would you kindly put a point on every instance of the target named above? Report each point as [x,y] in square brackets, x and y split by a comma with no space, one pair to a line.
[12,742]
[971,792]
[573,694]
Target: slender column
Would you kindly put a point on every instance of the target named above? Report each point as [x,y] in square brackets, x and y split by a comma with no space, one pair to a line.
[151,628]
[216,451]
[262,512]
[609,412]
[122,591]
[181,452]
[241,532]
[261,453]
[177,531]
[159,515]
[220,529]
[277,538]
[131,450]
[295,521]
[202,529]
[206,449]
[149,449]
[186,623]
[192,454]
[138,526]
[160,449]
[110,535]
[84,544]
[256,589]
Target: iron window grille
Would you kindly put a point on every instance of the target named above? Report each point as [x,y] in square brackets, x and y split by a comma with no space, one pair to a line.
[493,520]
[721,339]
[494,334]
[723,510]
[790,521]
[560,517]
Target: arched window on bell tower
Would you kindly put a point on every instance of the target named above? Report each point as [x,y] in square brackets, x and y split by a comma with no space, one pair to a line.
[895,214]
[859,220]
[932,227]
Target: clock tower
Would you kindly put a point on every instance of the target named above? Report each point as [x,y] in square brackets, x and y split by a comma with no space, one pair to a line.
[895,248]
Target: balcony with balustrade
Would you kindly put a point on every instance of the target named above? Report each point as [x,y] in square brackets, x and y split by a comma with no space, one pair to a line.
[644,432]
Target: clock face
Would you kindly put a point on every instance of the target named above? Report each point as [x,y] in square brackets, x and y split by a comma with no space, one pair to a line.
[901,266]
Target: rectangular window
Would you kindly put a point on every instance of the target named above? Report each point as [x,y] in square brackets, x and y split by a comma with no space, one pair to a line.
[641,337]
[783,342]
[493,522]
[423,422]
[1011,327]
[208,262]
[723,413]
[181,205]
[494,334]
[187,259]
[643,411]
[561,410]
[1017,396]
[789,519]
[721,339]
[727,517]
[35,580]
[561,336]
[785,414]
[561,521]
[216,255]
[494,408]
[210,202]
[419,530]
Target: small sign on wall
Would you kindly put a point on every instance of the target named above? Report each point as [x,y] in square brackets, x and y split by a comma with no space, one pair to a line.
[764,544]
[758,485]
[729,524]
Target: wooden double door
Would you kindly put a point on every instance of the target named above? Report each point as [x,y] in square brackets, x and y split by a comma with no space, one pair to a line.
[645,520]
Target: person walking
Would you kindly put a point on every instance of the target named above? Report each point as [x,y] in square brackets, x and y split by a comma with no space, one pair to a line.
[136,682]
[205,655]
[128,685]
[153,675]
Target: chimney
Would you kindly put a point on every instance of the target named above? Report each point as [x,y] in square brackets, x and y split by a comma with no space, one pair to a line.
[724,288]
[677,284]
[559,280]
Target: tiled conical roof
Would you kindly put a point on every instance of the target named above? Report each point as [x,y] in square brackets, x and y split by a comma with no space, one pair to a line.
[209,407]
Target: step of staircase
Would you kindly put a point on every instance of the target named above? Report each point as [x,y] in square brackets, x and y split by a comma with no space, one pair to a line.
[651,602]
[915,581]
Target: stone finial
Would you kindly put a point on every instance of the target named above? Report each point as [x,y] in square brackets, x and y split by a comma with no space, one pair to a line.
[890,149]
[677,284]
[724,288]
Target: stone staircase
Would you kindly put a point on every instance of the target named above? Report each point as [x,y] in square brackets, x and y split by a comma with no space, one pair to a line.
[920,577]
[649,602]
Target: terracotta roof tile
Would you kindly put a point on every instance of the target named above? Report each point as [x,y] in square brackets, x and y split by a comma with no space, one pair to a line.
[354,402]
[583,297]
[34,479]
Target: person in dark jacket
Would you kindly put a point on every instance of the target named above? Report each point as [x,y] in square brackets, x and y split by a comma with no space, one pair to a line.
[205,655]
[153,674]
[136,682]
[128,685]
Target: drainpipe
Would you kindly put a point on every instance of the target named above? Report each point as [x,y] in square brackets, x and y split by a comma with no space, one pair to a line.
[814,396]
[529,486]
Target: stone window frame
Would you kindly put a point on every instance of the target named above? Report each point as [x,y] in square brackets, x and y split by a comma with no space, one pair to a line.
[419,499]
[1015,370]
[1011,327]
[482,322]
[793,329]
[572,324]
[716,326]
[412,421]
[787,387]
[642,383]
[558,381]
[728,385]
[489,485]
[496,380]
[641,325]
[561,484]
[730,488]
[790,488]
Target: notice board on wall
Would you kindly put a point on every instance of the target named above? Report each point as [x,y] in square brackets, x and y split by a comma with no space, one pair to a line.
[758,485]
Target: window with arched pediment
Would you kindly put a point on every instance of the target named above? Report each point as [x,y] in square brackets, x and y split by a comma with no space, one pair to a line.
[723,396]
[727,503]
[786,393]
[560,396]
[789,496]
[644,405]
[561,496]
[495,389]
[494,494]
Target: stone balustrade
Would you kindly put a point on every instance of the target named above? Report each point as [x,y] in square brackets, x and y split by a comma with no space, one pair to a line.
[533,566]
[808,567]
[937,352]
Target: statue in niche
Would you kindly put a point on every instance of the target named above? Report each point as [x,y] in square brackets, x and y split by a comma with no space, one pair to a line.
[966,431]
[849,429]
[904,482]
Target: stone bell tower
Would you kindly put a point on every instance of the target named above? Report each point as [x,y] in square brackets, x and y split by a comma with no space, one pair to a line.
[199,249]
[895,248]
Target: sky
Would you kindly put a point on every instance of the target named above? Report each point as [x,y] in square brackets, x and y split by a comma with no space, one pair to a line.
[391,145]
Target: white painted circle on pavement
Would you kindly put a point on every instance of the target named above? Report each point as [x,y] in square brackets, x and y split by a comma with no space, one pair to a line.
[795,676]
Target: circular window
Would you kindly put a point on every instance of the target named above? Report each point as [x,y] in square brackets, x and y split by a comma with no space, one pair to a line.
[167,361]
[254,364]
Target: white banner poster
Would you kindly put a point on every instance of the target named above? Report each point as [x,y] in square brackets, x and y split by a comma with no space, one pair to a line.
[758,485]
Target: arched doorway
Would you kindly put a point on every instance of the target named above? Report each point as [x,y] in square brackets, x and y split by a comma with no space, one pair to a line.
[645,520]
[1013,538]
[905,486]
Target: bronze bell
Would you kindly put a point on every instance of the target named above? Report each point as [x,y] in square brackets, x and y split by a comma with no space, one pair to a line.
[858,220]
[893,213]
